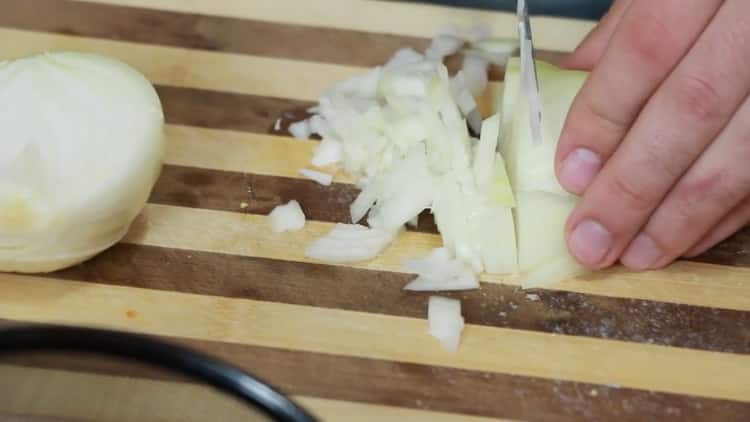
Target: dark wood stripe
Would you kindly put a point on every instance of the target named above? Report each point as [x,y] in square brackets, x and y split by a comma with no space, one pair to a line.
[430,387]
[381,292]
[224,110]
[213,33]
[259,194]
[734,251]
[204,32]
[226,191]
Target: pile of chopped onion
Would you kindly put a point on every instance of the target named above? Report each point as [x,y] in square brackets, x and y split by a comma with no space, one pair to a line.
[404,131]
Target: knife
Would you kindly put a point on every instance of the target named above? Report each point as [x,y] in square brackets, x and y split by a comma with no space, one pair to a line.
[530,79]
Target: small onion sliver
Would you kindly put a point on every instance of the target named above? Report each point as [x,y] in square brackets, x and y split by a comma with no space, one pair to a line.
[324,179]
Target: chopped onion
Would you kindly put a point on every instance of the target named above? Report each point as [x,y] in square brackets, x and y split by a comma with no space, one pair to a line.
[313,110]
[475,73]
[319,126]
[277,124]
[439,271]
[405,56]
[443,45]
[328,152]
[496,50]
[350,243]
[445,321]
[300,130]
[287,217]
[319,177]
[81,147]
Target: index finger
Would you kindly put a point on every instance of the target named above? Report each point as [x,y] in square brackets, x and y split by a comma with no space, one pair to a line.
[649,42]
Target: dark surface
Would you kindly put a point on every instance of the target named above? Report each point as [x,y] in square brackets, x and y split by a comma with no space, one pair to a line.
[431,387]
[582,9]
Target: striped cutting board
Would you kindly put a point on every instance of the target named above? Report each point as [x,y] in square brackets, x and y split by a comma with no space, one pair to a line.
[201,267]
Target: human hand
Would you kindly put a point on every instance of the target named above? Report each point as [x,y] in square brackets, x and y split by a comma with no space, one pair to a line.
[657,142]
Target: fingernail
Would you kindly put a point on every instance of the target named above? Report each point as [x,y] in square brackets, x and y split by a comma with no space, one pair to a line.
[642,253]
[578,170]
[590,242]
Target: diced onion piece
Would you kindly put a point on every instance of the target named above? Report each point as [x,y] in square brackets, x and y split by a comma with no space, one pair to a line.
[405,56]
[300,130]
[313,110]
[466,102]
[443,45]
[319,126]
[495,50]
[445,321]
[277,124]
[475,73]
[439,271]
[328,152]
[319,177]
[287,217]
[484,159]
[350,243]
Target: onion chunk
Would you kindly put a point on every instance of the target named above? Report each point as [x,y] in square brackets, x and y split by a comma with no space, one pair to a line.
[349,243]
[445,321]
[287,217]
[439,271]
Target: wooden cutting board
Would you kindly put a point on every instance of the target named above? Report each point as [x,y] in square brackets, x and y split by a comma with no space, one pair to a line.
[201,267]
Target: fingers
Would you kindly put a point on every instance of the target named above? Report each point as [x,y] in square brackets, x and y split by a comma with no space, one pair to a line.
[732,222]
[686,113]
[651,38]
[719,181]
[593,46]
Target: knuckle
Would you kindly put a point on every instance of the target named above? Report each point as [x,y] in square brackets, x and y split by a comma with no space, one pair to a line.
[697,97]
[651,40]
[630,194]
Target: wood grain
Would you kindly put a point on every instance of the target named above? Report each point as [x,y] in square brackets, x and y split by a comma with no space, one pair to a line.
[400,18]
[201,268]
[249,235]
[303,328]
[219,33]
[225,110]
[433,389]
[182,67]
[379,292]
[124,397]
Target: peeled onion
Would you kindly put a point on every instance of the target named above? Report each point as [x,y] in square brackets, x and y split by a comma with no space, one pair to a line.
[82,145]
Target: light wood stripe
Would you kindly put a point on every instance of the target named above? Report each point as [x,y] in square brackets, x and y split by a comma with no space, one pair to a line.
[41,391]
[419,20]
[640,366]
[240,152]
[236,73]
[346,288]
[181,67]
[421,387]
[248,235]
